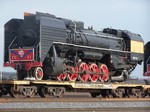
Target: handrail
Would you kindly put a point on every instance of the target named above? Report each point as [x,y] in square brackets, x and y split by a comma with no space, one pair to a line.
[74,25]
[12,42]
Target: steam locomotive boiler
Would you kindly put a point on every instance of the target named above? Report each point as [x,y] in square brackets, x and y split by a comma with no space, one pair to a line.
[44,46]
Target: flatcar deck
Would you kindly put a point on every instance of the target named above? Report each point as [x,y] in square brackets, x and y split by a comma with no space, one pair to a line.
[88,85]
[48,87]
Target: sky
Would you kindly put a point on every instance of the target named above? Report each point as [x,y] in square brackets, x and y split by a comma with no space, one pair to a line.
[132,15]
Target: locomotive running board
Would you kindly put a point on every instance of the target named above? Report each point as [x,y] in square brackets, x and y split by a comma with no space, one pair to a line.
[88,47]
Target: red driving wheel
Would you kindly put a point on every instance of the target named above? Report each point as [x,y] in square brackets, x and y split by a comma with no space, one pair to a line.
[83,68]
[61,77]
[104,72]
[38,73]
[95,70]
[73,77]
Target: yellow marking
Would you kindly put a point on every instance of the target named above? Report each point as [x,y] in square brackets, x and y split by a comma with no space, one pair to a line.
[137,47]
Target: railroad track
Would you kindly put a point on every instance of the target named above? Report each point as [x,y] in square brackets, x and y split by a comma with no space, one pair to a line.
[73,102]
[70,97]
[10,100]
[79,110]
[71,105]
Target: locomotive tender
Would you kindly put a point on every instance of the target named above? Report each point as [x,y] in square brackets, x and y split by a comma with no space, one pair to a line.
[48,47]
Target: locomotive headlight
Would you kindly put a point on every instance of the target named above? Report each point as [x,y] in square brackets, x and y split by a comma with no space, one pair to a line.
[29,38]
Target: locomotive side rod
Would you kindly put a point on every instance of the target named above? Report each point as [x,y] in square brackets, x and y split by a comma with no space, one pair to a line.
[83,72]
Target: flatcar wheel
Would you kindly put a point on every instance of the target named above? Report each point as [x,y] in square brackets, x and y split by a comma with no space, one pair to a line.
[105,93]
[137,93]
[108,94]
[84,76]
[13,93]
[61,77]
[114,93]
[143,93]
[1,93]
[120,93]
[94,95]
[95,70]
[38,73]
[61,95]
[128,93]
[73,77]
[104,73]
[43,92]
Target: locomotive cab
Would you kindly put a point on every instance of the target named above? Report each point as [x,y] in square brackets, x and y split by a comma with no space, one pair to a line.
[136,47]
[132,43]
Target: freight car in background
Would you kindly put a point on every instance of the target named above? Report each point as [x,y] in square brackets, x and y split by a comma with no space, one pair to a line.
[44,46]
[147,59]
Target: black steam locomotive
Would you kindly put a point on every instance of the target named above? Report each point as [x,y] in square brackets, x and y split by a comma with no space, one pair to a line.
[44,46]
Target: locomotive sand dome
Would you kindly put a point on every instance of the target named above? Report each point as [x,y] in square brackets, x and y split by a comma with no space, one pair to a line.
[47,47]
